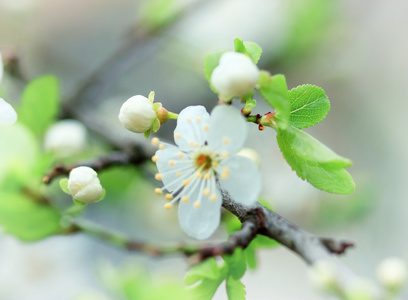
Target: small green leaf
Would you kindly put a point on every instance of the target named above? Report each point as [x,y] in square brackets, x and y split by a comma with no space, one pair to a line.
[308,105]
[156,106]
[239,46]
[207,269]
[235,289]
[314,162]
[146,134]
[205,289]
[155,126]
[103,195]
[236,263]
[63,183]
[254,51]
[275,91]
[26,219]
[39,104]
[211,62]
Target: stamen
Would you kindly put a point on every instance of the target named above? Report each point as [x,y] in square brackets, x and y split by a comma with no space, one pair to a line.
[167,206]
[198,119]
[155,158]
[196,204]
[158,176]
[226,140]
[169,196]
[225,173]
[207,176]
[188,119]
[206,191]
[206,127]
[224,154]
[172,162]
[161,146]
[185,182]
[199,175]
[214,164]
[155,141]
[184,199]
[181,155]
[158,191]
[178,174]
[177,135]
[213,197]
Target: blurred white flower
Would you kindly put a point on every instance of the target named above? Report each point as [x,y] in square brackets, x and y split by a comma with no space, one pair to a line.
[206,153]
[137,114]
[84,185]
[392,273]
[65,138]
[362,289]
[323,276]
[235,75]
[8,115]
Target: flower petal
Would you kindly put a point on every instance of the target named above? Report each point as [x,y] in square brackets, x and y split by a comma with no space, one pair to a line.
[174,166]
[200,222]
[191,129]
[228,130]
[243,180]
[8,115]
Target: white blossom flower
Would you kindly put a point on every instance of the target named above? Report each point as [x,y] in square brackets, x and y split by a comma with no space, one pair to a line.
[8,115]
[65,138]
[137,114]
[235,75]
[84,185]
[392,273]
[206,154]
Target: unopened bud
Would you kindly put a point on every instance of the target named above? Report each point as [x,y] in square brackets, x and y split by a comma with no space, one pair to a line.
[323,276]
[84,185]
[362,289]
[137,114]
[392,273]
[8,115]
[65,138]
[235,75]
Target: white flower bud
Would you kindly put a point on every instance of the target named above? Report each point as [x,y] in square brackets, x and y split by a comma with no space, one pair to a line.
[392,273]
[84,185]
[65,138]
[137,114]
[322,275]
[251,154]
[8,115]
[235,75]
[362,289]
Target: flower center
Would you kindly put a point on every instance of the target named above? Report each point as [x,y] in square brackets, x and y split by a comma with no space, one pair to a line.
[204,159]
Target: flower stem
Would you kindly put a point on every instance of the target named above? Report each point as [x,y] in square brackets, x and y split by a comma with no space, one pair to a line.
[172,115]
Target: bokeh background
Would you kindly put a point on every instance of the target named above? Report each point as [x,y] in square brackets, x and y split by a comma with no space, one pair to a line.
[357,51]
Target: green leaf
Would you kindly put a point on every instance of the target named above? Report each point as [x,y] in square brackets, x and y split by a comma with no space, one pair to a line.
[254,51]
[239,46]
[207,269]
[315,162]
[235,289]
[308,105]
[250,256]
[236,263]
[211,62]
[275,91]
[63,183]
[39,104]
[27,220]
[205,289]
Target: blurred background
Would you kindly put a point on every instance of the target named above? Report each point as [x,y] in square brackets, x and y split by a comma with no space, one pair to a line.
[355,50]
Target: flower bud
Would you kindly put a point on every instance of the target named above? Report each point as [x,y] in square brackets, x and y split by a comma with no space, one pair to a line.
[84,185]
[65,138]
[392,273]
[235,75]
[137,114]
[8,115]
[362,289]
[323,276]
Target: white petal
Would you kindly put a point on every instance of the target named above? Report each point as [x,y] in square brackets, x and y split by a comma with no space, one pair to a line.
[228,129]
[243,182]
[8,115]
[200,222]
[190,131]
[183,164]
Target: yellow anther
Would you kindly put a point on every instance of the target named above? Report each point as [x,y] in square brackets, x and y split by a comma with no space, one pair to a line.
[158,191]
[184,199]
[172,162]
[226,140]
[155,141]
[178,174]
[158,176]
[207,176]
[206,191]
[155,158]
[196,204]
[199,175]
[188,119]
[191,143]
[214,163]
[181,155]
[225,173]
[206,127]
[195,146]
[224,154]
[185,182]
[213,197]
[198,119]
[169,196]
[177,135]
[161,146]
[167,206]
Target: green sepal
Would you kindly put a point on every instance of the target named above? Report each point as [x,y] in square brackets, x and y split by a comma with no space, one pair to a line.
[239,46]
[155,126]
[210,63]
[254,51]
[79,203]
[314,162]
[146,134]
[275,92]
[63,183]
[308,105]
[102,195]
[151,96]
[156,106]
